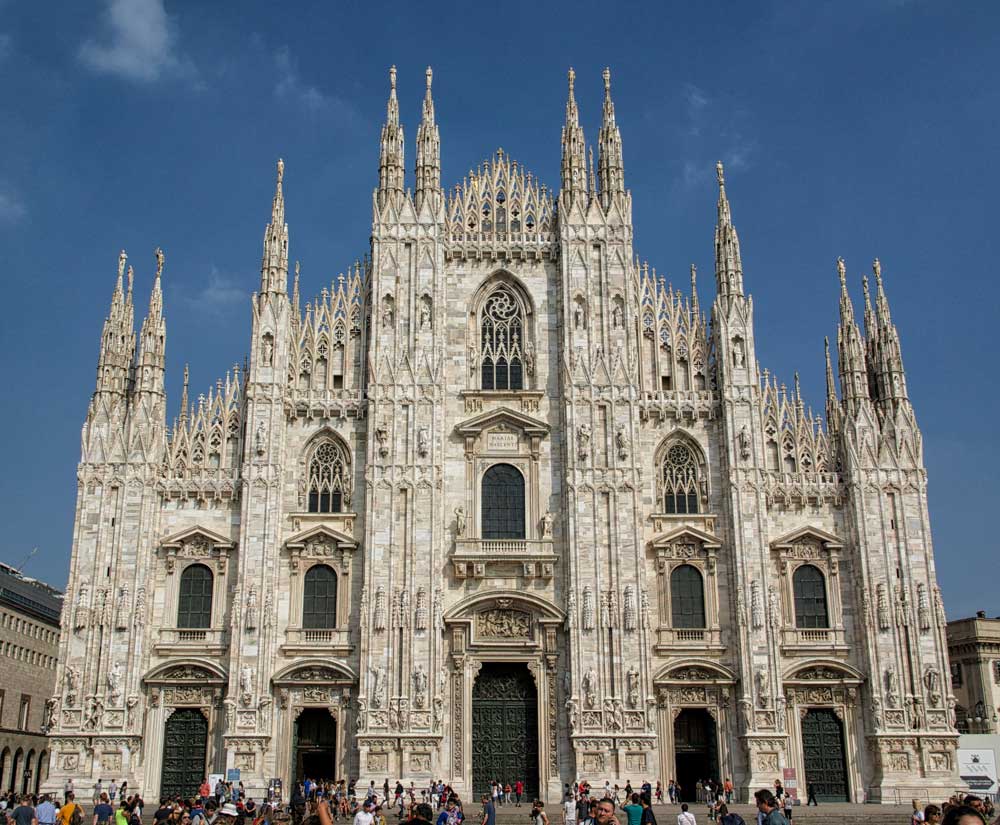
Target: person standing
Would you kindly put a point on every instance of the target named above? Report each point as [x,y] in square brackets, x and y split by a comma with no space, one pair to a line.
[811,795]
[518,791]
[23,814]
[768,806]
[648,817]
[70,813]
[112,791]
[364,814]
[98,790]
[46,812]
[685,817]
[569,808]
[489,812]
[605,813]
[68,788]
[103,812]
[538,815]
[633,810]
[787,800]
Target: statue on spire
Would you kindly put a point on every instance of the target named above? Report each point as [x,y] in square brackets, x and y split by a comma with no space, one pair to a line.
[611,164]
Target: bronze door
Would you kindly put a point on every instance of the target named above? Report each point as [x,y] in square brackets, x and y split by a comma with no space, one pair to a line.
[504,727]
[185,742]
[823,748]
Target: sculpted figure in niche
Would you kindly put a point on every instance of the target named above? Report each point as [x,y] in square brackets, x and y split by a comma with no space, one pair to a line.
[578,316]
[378,686]
[583,441]
[632,680]
[932,681]
[617,317]
[738,354]
[267,351]
[473,359]
[115,683]
[250,618]
[419,687]
[260,439]
[425,313]
[423,441]
[459,521]
[621,442]
[590,688]
[246,685]
[529,358]
[382,437]
[547,520]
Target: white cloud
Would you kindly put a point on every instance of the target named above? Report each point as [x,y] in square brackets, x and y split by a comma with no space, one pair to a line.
[220,294]
[12,208]
[292,88]
[140,44]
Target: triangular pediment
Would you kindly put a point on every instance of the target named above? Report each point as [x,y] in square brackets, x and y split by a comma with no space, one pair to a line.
[806,533]
[686,532]
[503,415]
[321,532]
[194,532]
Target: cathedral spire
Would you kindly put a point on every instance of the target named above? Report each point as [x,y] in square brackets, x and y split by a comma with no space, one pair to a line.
[695,308]
[390,163]
[296,313]
[574,163]
[612,167]
[117,337]
[153,338]
[850,349]
[832,408]
[184,397]
[728,266]
[274,265]
[428,152]
[887,356]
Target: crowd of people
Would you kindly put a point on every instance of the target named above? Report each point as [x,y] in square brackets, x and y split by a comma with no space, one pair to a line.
[320,802]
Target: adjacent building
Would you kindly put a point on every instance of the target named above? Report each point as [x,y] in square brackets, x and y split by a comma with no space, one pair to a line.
[499,503]
[29,650]
[974,653]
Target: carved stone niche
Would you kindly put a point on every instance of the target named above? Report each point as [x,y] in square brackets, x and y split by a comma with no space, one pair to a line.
[197,544]
[808,545]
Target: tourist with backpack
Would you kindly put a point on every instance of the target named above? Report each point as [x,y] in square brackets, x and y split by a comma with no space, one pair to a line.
[70,813]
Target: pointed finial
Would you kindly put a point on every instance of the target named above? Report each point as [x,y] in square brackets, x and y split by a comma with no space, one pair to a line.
[122,258]
[720,173]
[159,262]
[296,271]
[281,170]
[842,272]
[572,79]
[607,80]
[430,77]
[694,276]
[392,79]
[877,269]
[130,275]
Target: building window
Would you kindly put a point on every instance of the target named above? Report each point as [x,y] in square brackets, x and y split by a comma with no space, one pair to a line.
[319,600]
[194,609]
[687,598]
[22,716]
[956,674]
[502,341]
[329,474]
[679,480]
[809,586]
[503,503]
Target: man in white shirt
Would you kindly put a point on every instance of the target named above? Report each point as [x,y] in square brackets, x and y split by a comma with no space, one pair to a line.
[685,817]
[364,816]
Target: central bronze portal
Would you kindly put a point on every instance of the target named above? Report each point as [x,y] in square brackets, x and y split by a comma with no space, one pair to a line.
[505,727]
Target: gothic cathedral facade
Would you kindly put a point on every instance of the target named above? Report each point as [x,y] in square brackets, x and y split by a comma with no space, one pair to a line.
[499,504]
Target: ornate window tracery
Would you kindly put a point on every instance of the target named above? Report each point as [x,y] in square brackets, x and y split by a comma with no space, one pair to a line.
[194,606]
[502,341]
[809,586]
[687,598]
[679,480]
[329,478]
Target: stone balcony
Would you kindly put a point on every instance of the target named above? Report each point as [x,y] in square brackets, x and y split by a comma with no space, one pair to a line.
[316,641]
[680,640]
[176,641]
[504,558]
[813,641]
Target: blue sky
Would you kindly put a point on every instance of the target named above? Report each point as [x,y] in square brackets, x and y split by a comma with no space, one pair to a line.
[848,128]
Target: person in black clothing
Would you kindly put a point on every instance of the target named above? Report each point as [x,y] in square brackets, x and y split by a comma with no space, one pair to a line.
[648,818]
[811,791]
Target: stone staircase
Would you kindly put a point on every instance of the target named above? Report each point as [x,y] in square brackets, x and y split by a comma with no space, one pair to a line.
[836,813]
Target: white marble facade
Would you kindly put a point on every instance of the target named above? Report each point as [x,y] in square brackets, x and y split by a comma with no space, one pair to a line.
[628,397]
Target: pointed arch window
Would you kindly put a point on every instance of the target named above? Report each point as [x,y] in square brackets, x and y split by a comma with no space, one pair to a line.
[687,598]
[503,503]
[194,607]
[329,478]
[501,325]
[809,586]
[679,480]
[319,599]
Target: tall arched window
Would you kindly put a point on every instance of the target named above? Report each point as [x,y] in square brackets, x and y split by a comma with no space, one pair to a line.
[503,503]
[809,585]
[194,607]
[329,478]
[679,480]
[687,598]
[319,600]
[501,326]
